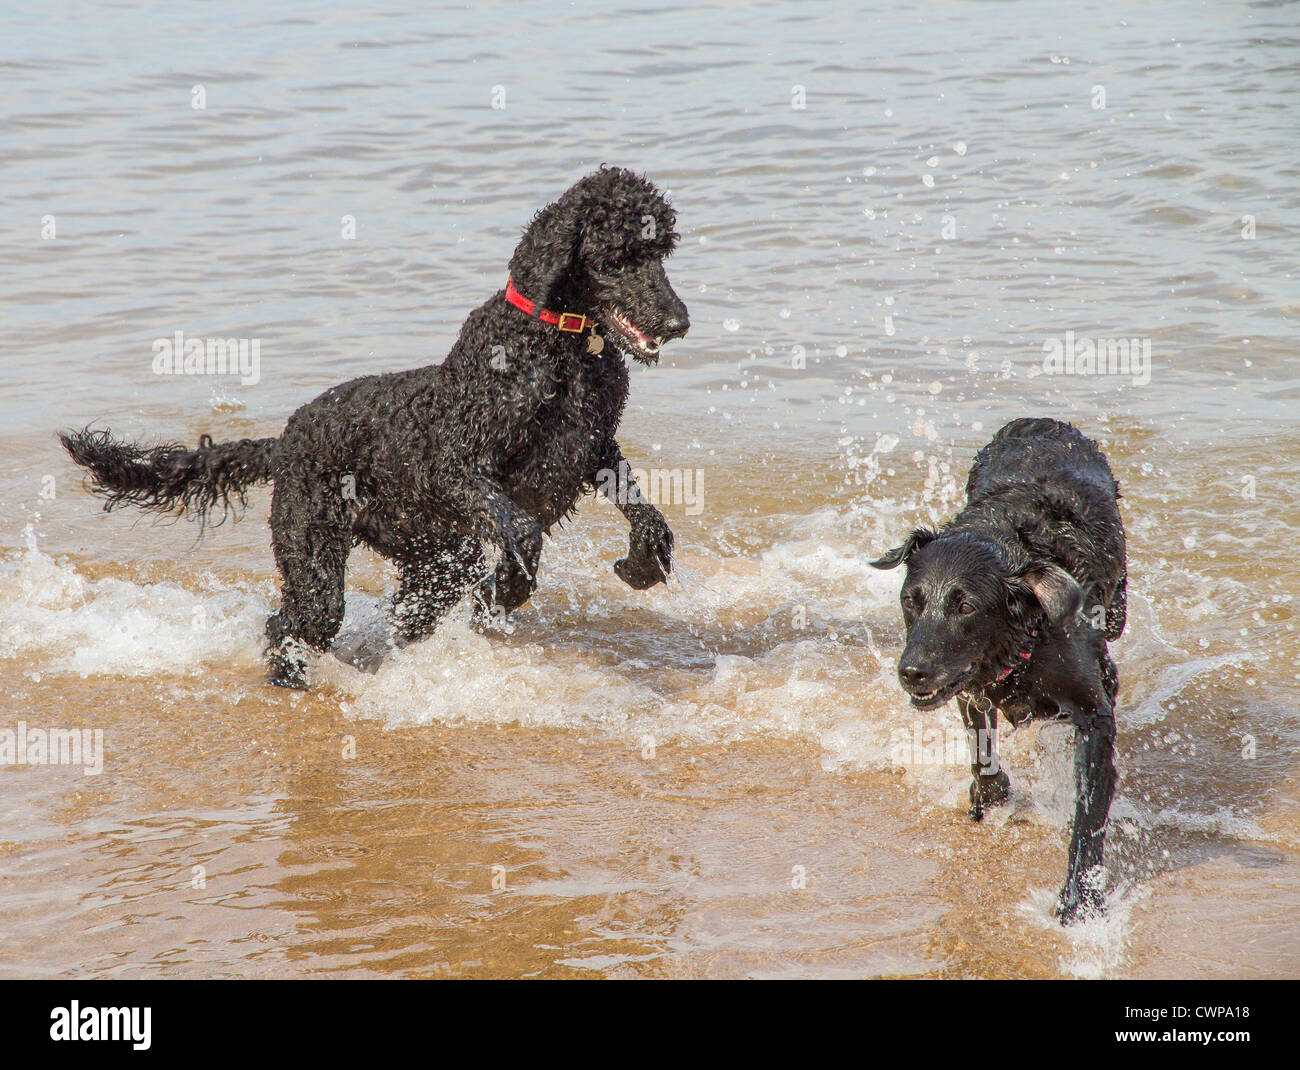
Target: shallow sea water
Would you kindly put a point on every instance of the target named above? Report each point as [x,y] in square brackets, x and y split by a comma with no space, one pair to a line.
[719,777]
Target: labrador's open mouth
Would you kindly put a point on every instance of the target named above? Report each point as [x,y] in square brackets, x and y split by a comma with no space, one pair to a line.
[929,700]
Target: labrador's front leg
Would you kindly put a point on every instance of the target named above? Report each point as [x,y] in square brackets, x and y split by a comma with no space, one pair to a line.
[990,785]
[1094,777]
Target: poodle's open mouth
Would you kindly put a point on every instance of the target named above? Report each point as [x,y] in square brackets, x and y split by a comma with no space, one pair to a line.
[641,345]
[929,700]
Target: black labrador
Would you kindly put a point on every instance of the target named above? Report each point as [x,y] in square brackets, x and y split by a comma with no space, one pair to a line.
[1009,609]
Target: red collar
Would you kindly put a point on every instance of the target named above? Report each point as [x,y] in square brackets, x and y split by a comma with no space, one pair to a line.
[566,321]
[1025,654]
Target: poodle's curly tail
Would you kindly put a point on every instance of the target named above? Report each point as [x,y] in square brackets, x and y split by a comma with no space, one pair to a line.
[171,478]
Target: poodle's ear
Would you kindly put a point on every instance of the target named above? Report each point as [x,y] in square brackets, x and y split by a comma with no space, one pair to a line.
[556,256]
[1054,589]
[911,544]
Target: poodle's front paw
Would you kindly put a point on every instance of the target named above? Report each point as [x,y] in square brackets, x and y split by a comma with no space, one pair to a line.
[521,542]
[650,552]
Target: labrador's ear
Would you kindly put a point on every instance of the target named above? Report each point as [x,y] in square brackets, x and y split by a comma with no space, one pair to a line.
[910,545]
[1054,589]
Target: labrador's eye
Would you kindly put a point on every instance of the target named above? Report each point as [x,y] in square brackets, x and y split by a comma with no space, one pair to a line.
[965,609]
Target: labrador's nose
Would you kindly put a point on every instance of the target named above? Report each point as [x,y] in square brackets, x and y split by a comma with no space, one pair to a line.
[914,677]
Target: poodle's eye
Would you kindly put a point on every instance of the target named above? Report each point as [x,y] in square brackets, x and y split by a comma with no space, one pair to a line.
[965,609]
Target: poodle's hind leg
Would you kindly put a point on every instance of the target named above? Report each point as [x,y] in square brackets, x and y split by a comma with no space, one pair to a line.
[509,587]
[433,582]
[311,552]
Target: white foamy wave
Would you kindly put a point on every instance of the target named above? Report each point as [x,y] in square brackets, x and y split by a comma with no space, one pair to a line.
[1171,683]
[825,683]
[821,565]
[66,623]
[460,676]
[1220,822]
[1097,944]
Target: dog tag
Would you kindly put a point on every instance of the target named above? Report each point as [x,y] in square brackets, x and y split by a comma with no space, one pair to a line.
[595,343]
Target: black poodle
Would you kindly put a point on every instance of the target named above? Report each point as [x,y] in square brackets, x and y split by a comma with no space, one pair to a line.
[495,444]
